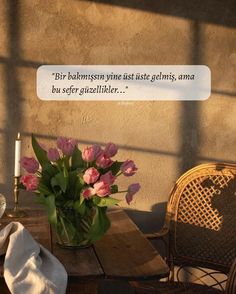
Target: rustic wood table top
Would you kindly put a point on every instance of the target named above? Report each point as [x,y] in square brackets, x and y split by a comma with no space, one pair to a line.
[122,253]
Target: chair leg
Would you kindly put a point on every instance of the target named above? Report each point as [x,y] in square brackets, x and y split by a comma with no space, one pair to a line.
[172,273]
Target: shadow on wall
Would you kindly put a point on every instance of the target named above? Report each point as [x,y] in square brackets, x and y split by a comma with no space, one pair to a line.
[149,221]
[213,11]
[13,101]
[217,12]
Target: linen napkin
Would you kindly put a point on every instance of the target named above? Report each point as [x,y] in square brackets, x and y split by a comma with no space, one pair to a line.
[29,268]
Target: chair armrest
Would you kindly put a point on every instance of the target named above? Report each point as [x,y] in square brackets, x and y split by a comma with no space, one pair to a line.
[165,229]
[162,233]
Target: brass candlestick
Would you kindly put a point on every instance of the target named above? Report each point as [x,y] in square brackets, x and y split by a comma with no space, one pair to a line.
[16,212]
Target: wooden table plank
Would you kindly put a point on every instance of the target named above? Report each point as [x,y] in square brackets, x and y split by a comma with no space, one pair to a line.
[81,263]
[125,253]
[122,253]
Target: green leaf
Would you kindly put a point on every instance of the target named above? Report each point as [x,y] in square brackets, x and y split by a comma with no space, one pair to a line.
[40,199]
[80,207]
[114,168]
[60,180]
[69,204]
[43,189]
[50,169]
[72,180]
[39,152]
[77,160]
[100,224]
[79,185]
[65,172]
[66,162]
[48,172]
[114,189]
[59,200]
[107,201]
[96,199]
[49,202]
[81,199]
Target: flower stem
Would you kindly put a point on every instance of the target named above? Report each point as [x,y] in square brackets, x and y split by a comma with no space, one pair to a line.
[121,192]
[119,174]
[65,229]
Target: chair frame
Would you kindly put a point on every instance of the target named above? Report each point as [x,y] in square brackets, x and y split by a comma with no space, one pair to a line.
[171,217]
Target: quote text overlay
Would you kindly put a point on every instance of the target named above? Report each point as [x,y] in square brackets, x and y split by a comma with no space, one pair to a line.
[123,82]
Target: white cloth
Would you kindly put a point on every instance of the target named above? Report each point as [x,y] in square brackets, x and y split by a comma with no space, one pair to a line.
[29,268]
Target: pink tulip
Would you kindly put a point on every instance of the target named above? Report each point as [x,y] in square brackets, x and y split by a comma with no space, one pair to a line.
[30,164]
[97,150]
[110,150]
[91,175]
[108,178]
[103,161]
[30,182]
[74,142]
[88,192]
[132,189]
[67,146]
[102,188]
[88,154]
[128,168]
[53,154]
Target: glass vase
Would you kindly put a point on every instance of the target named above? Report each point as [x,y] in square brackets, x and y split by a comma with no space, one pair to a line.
[72,230]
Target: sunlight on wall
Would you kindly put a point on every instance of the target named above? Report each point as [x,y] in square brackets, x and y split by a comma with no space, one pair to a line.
[163,138]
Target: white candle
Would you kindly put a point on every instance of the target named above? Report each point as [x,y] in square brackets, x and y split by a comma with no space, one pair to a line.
[17,155]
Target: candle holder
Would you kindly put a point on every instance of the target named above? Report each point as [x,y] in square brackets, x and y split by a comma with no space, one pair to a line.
[16,212]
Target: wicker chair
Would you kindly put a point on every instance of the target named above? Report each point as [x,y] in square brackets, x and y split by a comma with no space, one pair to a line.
[200,230]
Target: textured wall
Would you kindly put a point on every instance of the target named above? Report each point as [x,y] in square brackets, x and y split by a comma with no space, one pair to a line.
[163,138]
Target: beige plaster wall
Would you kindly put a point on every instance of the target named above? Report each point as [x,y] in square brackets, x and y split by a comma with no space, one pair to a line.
[163,138]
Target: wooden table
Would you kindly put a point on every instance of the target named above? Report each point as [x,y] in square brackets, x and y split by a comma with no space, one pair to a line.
[123,253]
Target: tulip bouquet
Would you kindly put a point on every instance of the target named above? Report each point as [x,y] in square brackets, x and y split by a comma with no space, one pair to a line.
[76,187]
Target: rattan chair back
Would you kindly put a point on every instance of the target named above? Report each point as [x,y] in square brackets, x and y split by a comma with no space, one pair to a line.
[201,216]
